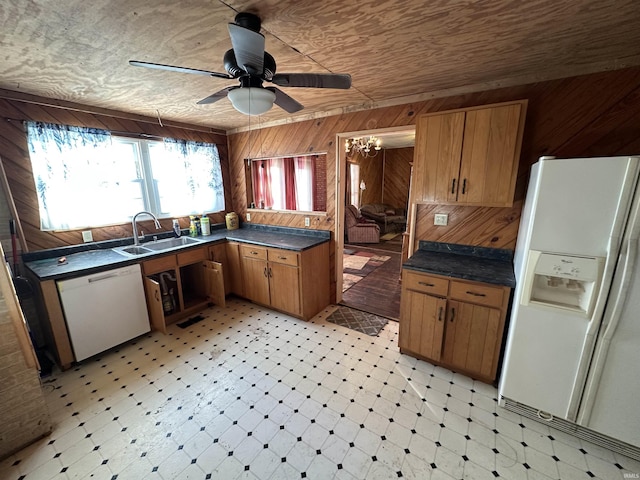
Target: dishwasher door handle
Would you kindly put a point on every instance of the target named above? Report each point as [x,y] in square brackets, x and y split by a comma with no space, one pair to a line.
[103,277]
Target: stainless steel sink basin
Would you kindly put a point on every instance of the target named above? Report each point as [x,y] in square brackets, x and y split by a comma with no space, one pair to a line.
[156,246]
[132,250]
[159,245]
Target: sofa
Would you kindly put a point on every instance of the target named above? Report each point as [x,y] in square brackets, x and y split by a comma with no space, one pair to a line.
[358,229]
[389,218]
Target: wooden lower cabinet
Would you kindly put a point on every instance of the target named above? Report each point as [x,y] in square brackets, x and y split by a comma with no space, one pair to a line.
[179,285]
[453,323]
[233,269]
[293,282]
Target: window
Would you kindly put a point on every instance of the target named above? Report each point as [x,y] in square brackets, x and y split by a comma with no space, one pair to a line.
[88,177]
[289,183]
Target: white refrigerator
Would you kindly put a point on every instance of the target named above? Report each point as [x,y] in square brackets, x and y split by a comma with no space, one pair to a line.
[573,347]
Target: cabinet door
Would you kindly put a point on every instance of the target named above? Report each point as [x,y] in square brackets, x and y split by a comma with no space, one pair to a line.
[218,253]
[489,164]
[437,154]
[471,338]
[284,284]
[234,269]
[422,324]
[256,281]
[214,282]
[154,305]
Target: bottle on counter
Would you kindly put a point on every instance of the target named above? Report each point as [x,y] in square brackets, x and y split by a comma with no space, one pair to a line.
[205,225]
[198,228]
[193,229]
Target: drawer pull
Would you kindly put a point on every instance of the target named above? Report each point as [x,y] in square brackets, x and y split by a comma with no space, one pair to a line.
[476,294]
[426,284]
[440,314]
[283,258]
[253,252]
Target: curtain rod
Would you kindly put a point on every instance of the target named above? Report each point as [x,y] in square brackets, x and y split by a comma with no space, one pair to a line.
[306,154]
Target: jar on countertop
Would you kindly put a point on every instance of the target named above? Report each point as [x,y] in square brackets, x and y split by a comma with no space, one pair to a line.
[232,220]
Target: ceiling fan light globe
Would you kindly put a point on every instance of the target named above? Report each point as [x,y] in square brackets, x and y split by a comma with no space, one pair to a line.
[251,100]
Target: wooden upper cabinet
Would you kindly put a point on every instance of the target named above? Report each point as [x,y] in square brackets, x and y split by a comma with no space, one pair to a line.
[437,154]
[469,156]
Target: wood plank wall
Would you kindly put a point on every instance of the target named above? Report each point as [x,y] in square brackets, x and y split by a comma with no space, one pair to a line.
[371,171]
[15,158]
[397,175]
[591,115]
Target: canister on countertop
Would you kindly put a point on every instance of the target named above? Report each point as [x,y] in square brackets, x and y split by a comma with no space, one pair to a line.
[205,225]
[232,221]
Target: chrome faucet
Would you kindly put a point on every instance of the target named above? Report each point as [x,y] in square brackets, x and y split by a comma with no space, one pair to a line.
[136,240]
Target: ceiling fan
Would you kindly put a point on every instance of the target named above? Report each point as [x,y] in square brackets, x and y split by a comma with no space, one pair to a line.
[248,62]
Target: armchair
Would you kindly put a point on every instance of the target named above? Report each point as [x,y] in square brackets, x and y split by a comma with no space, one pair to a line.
[358,229]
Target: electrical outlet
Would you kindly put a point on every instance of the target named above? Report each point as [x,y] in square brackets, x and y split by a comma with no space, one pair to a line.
[440,219]
[306,221]
[248,217]
[87,236]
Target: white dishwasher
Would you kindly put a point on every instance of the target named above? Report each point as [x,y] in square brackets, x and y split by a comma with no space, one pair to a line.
[104,309]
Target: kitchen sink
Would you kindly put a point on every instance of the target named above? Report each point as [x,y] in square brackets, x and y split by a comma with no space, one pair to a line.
[132,250]
[160,245]
[155,246]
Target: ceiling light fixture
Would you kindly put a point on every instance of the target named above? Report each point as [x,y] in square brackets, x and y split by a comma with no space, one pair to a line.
[252,100]
[366,148]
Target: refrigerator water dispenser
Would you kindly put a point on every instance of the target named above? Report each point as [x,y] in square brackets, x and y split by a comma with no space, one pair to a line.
[562,281]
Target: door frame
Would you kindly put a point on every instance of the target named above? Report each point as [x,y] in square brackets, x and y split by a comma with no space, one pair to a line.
[340,189]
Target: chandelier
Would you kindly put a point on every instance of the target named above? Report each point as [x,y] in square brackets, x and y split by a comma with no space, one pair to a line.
[365,147]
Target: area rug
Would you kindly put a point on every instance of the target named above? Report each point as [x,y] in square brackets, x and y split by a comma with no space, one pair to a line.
[363,322]
[349,280]
[389,236]
[354,262]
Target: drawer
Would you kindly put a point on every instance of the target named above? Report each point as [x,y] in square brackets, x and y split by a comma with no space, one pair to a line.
[192,256]
[283,256]
[253,252]
[161,264]
[479,293]
[425,283]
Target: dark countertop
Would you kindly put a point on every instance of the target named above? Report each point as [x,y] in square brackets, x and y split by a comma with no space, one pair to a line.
[99,256]
[479,264]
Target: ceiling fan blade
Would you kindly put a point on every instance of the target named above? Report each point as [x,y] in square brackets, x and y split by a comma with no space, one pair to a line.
[248,47]
[313,80]
[285,102]
[172,68]
[216,96]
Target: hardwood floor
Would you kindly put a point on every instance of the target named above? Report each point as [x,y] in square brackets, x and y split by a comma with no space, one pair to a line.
[379,291]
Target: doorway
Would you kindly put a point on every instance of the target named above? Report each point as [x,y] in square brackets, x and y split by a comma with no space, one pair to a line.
[376,188]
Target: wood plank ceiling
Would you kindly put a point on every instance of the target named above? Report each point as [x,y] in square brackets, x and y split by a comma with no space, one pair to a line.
[396,52]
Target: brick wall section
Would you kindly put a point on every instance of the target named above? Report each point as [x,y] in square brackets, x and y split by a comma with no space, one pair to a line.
[24,416]
[320,200]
